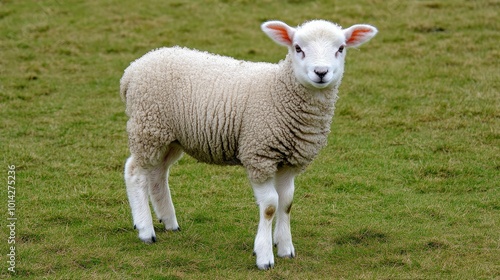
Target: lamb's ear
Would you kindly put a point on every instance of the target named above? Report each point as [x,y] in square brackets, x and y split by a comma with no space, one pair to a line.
[359,34]
[279,31]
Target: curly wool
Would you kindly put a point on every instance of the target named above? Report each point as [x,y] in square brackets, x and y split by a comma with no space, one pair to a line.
[224,111]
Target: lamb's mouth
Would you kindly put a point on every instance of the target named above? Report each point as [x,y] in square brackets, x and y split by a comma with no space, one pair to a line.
[320,84]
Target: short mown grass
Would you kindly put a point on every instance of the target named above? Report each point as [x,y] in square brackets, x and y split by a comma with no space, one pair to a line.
[407,188]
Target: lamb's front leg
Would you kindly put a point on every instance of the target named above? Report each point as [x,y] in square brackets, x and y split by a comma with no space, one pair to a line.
[267,199]
[282,233]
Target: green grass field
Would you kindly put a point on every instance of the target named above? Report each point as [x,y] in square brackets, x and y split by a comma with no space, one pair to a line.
[407,188]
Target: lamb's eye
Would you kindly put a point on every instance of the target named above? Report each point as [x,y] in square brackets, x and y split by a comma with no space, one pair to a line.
[299,50]
[341,49]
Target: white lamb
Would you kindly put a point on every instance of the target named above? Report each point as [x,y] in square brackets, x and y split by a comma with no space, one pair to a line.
[271,118]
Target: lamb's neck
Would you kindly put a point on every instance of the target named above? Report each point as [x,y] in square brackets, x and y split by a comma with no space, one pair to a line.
[317,103]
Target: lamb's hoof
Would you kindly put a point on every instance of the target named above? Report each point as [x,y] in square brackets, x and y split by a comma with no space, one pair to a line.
[173,229]
[150,240]
[170,226]
[265,263]
[289,256]
[286,252]
[266,266]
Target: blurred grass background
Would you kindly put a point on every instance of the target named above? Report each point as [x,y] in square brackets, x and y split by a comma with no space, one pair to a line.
[408,187]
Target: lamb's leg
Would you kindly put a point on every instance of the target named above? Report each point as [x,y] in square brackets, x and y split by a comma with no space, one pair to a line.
[160,191]
[267,199]
[282,234]
[136,180]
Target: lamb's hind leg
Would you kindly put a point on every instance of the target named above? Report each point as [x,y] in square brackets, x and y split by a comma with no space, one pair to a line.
[282,233]
[160,191]
[136,180]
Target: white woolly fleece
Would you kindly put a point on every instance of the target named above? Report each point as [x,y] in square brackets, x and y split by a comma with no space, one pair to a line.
[224,111]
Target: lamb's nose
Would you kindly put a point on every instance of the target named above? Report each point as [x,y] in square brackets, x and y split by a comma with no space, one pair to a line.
[321,72]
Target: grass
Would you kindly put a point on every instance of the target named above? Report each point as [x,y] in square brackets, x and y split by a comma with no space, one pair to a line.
[408,187]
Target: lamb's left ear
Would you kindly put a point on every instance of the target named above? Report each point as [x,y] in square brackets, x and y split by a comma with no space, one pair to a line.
[359,34]
[279,31]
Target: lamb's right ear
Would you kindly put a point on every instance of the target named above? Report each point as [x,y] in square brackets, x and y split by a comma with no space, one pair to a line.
[279,31]
[359,34]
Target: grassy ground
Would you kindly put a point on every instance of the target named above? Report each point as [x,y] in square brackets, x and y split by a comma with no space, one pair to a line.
[408,187]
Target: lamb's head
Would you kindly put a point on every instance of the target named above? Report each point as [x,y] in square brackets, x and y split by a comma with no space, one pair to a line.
[318,48]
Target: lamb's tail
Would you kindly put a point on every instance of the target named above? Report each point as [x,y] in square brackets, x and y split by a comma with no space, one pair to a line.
[124,83]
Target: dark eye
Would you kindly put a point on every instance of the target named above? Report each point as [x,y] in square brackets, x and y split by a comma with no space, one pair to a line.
[298,49]
[341,49]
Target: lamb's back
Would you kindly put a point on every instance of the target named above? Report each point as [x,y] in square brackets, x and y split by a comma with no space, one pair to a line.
[195,98]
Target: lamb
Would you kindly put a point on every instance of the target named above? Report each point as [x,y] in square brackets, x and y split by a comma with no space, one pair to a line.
[272,119]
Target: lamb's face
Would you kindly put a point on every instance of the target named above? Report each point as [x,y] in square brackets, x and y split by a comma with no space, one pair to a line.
[318,48]
[318,52]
